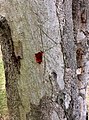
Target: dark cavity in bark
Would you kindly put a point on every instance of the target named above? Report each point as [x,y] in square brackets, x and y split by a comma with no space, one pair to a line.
[12,69]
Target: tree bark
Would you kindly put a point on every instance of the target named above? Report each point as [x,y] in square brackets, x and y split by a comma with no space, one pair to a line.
[45,54]
[81,23]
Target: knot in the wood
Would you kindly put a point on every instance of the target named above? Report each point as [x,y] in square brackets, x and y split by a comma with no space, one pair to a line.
[2,19]
[54,74]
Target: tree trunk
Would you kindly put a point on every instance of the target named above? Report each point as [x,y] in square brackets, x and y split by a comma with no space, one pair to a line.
[45,53]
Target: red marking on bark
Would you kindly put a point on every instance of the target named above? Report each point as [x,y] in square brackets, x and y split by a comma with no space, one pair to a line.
[38,57]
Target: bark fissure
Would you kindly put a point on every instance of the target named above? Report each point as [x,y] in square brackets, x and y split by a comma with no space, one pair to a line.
[80,28]
[12,69]
[68,49]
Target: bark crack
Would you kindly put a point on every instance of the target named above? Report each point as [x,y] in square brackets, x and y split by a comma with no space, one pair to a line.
[64,12]
[12,69]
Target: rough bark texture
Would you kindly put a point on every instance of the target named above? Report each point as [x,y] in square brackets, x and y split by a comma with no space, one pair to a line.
[12,69]
[81,23]
[55,88]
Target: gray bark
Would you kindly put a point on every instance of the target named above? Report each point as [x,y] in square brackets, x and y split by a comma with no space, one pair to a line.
[80,18]
[54,89]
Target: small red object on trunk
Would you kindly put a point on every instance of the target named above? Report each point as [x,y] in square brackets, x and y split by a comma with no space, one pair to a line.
[38,57]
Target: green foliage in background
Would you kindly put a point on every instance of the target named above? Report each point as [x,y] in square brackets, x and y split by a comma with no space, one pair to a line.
[3,103]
